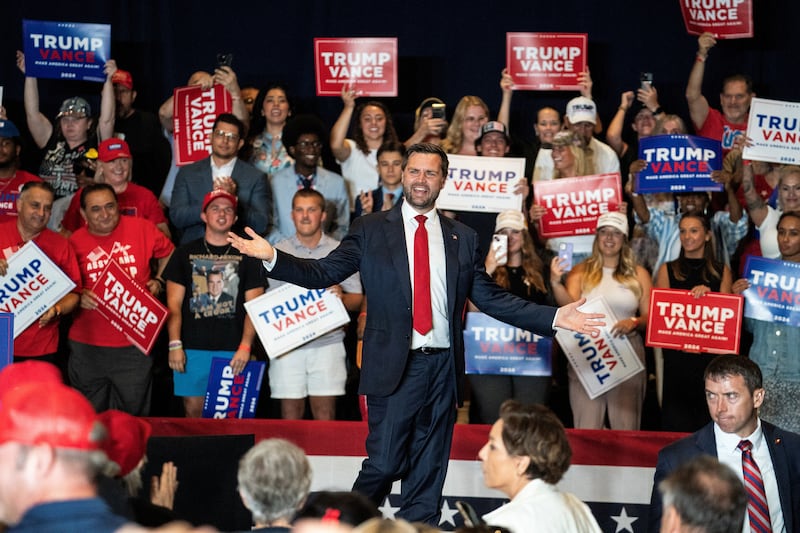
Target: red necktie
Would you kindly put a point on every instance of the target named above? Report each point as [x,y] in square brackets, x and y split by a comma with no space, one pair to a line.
[757,509]
[423,319]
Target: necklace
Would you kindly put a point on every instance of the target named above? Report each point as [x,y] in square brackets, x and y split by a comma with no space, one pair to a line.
[7,181]
[205,243]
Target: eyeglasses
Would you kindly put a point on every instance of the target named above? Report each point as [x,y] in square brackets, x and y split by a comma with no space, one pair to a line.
[309,144]
[228,136]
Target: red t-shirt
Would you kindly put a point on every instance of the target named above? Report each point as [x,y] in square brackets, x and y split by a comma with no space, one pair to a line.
[134,201]
[718,127]
[132,244]
[35,341]
[9,192]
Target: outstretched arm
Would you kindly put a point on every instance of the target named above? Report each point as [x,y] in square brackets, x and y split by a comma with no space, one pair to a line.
[568,317]
[256,246]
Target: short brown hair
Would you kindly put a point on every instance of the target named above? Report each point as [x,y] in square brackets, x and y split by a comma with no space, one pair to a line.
[536,432]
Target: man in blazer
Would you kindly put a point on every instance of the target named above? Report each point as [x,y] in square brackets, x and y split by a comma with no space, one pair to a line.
[734,393]
[221,170]
[412,378]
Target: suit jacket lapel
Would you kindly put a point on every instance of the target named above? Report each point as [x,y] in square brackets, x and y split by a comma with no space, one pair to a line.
[451,244]
[781,467]
[394,231]
[706,441]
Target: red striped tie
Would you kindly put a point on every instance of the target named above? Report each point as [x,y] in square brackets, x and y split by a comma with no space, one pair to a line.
[757,508]
[423,319]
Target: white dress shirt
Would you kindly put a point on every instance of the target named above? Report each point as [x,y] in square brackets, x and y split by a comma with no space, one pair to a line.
[439,335]
[729,454]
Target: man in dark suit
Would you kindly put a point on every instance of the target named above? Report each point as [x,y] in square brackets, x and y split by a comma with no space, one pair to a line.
[734,393]
[221,170]
[411,372]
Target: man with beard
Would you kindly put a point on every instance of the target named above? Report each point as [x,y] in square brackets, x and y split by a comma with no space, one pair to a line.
[303,137]
[11,177]
[221,170]
[413,358]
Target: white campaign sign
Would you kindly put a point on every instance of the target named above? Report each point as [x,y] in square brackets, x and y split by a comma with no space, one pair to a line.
[32,285]
[601,362]
[484,184]
[290,316]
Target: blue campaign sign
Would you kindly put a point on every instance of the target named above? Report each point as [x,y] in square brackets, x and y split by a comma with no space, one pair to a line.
[66,50]
[6,339]
[678,163]
[495,348]
[774,293]
[229,396]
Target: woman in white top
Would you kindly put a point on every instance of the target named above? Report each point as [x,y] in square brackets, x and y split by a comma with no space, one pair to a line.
[358,156]
[611,272]
[763,215]
[526,455]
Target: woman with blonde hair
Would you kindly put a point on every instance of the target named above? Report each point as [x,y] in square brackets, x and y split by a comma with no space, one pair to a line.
[471,113]
[611,272]
[569,161]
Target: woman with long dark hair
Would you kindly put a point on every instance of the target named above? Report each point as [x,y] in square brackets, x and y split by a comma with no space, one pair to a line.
[683,405]
[358,156]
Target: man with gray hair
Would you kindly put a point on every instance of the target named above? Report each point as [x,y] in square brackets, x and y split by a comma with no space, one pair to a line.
[703,496]
[49,456]
[274,480]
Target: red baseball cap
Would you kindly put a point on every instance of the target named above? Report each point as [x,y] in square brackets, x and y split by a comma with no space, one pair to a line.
[48,413]
[112,149]
[218,193]
[127,439]
[18,374]
[122,77]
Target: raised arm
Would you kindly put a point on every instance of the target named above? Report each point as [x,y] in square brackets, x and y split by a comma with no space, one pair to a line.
[507,89]
[614,132]
[226,77]
[40,127]
[108,104]
[340,149]
[698,105]
[639,205]
[756,207]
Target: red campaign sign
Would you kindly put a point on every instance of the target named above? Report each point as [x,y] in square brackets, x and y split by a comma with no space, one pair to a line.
[546,61]
[194,111]
[574,204]
[726,19]
[368,63]
[131,309]
[679,321]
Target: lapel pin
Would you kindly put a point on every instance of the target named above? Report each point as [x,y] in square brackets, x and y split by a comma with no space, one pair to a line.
[455,237]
